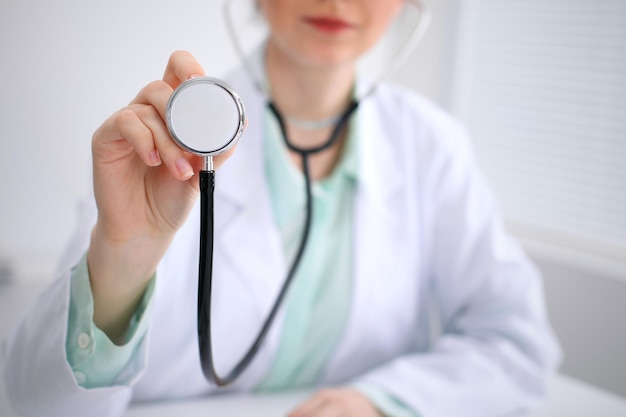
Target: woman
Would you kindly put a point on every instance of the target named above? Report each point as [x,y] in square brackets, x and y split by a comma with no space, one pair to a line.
[405,236]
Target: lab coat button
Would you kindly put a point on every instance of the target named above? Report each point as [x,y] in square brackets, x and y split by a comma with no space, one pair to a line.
[84,340]
[80,377]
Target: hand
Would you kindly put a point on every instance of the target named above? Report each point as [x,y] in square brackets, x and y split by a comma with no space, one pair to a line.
[337,402]
[144,192]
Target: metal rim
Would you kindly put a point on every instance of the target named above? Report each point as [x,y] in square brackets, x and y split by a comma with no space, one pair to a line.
[236,99]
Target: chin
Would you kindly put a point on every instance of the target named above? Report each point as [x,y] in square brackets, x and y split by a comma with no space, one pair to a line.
[327,56]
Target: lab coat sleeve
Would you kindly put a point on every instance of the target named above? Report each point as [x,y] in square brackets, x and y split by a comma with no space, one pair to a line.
[39,380]
[94,358]
[496,349]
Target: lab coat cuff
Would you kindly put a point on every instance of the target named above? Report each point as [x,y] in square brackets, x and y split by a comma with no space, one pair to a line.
[94,358]
[385,403]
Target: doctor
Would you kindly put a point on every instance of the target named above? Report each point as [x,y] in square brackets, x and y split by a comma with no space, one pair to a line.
[411,300]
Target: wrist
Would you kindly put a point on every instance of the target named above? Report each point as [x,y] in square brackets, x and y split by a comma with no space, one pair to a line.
[123,263]
[119,273]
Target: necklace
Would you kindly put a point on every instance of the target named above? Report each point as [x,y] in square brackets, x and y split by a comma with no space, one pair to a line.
[313,124]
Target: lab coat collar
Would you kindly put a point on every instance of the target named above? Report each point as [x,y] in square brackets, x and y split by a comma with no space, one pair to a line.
[380,177]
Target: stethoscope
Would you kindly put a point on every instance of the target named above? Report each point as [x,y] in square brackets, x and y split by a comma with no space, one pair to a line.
[207,137]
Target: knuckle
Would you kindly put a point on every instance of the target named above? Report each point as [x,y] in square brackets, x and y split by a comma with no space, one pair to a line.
[344,400]
[95,137]
[125,117]
[325,393]
[154,87]
[146,112]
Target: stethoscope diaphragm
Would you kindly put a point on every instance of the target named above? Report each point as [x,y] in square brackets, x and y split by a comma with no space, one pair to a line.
[205,116]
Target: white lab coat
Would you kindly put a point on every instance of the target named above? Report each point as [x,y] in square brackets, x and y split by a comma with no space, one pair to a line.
[447,313]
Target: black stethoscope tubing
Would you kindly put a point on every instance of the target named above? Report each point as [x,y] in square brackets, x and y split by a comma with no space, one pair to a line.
[205,276]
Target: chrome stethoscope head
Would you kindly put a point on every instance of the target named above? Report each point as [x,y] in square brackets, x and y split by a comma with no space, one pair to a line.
[205,117]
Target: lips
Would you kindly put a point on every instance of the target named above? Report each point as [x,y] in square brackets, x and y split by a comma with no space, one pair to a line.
[330,25]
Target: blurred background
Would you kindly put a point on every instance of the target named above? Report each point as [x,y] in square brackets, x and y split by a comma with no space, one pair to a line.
[540,84]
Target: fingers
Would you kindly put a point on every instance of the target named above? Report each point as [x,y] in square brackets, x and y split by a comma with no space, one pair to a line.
[142,127]
[155,94]
[337,402]
[316,405]
[181,67]
[150,106]
[129,125]
[174,157]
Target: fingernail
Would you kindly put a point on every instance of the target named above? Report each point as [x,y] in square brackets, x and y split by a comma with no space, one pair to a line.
[193,76]
[184,168]
[154,158]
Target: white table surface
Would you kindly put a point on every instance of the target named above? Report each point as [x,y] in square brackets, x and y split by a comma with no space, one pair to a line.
[568,398]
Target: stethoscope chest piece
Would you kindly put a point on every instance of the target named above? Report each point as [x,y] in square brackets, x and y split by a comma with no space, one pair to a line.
[205,116]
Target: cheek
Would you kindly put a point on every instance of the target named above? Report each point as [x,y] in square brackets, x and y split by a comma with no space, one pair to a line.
[385,13]
[375,31]
[275,12]
[381,15]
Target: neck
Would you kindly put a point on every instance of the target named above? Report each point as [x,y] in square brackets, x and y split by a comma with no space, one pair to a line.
[304,92]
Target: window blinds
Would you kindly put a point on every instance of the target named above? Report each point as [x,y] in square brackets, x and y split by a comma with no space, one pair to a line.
[541,85]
